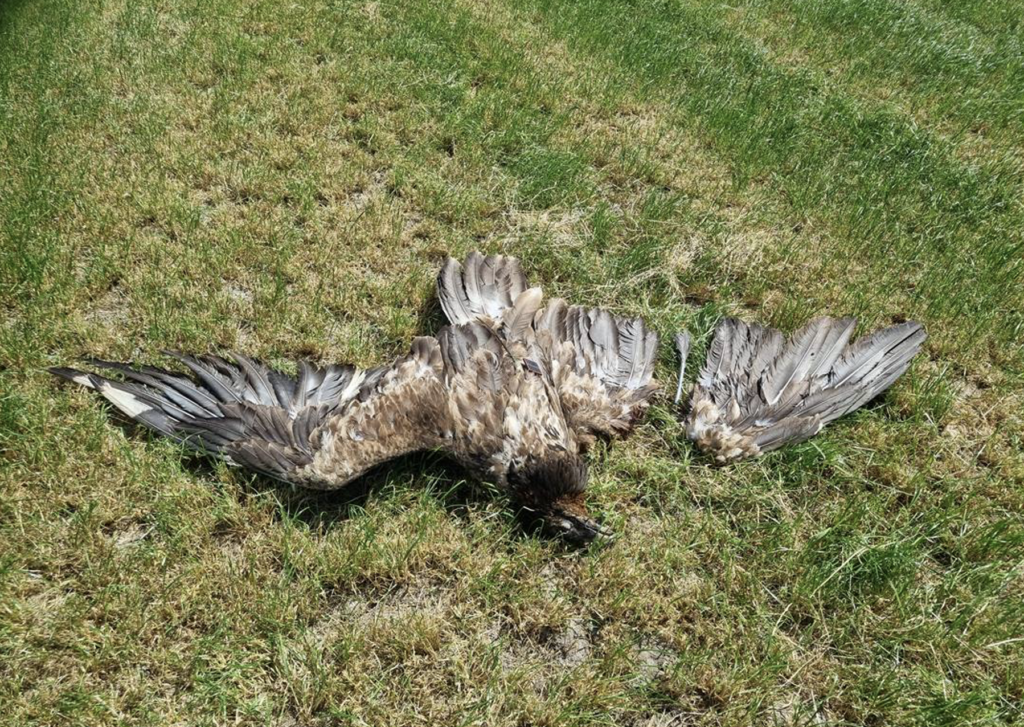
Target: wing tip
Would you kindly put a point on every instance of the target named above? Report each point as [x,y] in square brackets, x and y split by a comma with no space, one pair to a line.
[449,266]
[916,328]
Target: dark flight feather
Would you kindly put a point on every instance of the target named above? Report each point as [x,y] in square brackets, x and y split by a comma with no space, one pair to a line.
[253,415]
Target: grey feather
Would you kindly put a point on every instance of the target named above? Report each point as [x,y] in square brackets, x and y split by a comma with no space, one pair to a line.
[459,343]
[619,352]
[758,392]
[898,344]
[552,318]
[518,319]
[256,380]
[452,293]
[481,289]
[787,431]
[767,343]
[177,389]
[213,382]
[472,281]
[788,367]
[717,352]
[683,347]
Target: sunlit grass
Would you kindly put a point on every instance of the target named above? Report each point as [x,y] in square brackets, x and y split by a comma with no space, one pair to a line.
[285,178]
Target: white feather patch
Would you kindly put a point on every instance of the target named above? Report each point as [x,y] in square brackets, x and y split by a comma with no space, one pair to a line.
[353,386]
[124,401]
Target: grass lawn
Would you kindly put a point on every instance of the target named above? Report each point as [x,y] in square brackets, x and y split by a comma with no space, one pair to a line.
[284,178]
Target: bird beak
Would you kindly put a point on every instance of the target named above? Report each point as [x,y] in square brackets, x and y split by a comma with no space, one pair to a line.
[600,533]
[580,530]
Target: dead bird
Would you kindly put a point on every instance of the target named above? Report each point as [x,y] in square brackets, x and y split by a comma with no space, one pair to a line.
[758,392]
[513,390]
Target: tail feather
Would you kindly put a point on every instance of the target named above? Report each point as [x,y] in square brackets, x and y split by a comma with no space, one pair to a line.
[618,351]
[639,355]
[452,293]
[636,355]
[516,320]
[473,283]
[552,318]
[757,392]
[459,343]
[718,351]
[604,334]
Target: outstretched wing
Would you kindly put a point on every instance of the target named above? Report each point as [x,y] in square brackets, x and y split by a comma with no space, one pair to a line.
[600,365]
[320,429]
[758,392]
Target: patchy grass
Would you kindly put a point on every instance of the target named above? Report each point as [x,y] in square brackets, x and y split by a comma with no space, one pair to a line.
[284,178]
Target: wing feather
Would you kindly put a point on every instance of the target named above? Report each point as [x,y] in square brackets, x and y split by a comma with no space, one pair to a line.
[758,392]
[320,429]
[606,366]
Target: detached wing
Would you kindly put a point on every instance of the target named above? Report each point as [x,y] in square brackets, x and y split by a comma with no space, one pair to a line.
[758,392]
[320,429]
[600,365]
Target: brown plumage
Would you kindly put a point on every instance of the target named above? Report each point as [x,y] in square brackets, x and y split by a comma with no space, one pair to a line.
[512,390]
[758,392]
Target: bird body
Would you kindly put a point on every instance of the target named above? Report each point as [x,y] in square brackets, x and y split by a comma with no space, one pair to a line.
[512,391]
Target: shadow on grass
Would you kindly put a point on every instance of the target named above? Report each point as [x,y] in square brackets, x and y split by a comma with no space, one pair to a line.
[448,483]
[451,485]
[431,317]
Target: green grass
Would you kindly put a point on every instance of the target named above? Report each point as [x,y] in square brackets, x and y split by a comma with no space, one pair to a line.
[284,178]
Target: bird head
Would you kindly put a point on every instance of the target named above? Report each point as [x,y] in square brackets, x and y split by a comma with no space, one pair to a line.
[550,489]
